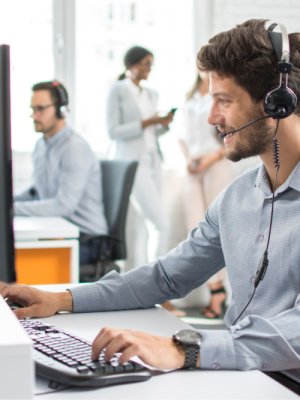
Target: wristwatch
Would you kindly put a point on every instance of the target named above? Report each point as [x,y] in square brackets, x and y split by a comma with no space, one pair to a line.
[191,342]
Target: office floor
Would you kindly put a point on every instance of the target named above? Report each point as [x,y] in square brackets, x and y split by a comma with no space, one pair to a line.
[196,319]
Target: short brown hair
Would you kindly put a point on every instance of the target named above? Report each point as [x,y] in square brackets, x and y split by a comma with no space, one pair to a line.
[52,89]
[246,54]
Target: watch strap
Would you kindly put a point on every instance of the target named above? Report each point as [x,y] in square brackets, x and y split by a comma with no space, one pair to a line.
[191,356]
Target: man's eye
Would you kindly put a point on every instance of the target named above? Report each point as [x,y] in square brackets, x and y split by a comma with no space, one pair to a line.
[223,101]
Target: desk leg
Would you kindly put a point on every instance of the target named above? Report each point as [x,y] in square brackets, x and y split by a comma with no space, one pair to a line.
[74,262]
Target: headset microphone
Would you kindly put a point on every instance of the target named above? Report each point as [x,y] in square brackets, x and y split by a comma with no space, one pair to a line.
[280,113]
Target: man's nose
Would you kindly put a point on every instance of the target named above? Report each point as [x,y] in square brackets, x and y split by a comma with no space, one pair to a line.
[214,116]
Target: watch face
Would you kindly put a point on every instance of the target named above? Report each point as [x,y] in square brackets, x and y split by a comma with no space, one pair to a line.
[188,336]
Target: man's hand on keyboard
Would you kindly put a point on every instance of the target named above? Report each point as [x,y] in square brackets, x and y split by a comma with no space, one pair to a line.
[157,351]
[36,303]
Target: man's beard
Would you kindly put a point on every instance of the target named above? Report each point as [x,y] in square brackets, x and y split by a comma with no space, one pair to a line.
[257,140]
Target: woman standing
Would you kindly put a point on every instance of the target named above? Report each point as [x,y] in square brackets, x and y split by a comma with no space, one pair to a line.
[135,127]
[208,173]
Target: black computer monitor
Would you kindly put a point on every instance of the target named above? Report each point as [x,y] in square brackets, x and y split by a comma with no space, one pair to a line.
[7,257]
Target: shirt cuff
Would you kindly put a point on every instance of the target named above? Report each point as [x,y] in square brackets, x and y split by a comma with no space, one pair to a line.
[85,298]
[217,350]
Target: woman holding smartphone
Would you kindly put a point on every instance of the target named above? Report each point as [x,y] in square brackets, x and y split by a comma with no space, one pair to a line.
[135,127]
[208,173]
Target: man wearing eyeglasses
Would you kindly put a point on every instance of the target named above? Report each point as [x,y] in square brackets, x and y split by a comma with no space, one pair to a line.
[66,174]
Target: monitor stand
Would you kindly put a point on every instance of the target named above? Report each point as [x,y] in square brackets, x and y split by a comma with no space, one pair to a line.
[16,362]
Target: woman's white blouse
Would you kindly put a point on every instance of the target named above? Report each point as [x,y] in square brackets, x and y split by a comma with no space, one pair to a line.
[147,110]
[198,135]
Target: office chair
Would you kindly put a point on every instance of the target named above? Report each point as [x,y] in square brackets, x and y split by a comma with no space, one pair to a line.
[117,181]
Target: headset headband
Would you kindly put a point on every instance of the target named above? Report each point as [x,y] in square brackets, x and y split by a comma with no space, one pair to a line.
[285,54]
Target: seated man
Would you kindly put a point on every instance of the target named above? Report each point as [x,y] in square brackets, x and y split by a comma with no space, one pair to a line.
[266,334]
[66,175]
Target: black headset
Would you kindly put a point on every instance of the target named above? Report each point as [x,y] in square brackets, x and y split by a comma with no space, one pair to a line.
[280,96]
[280,101]
[63,100]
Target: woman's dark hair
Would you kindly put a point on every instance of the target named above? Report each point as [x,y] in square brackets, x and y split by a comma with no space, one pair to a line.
[246,54]
[133,56]
[194,88]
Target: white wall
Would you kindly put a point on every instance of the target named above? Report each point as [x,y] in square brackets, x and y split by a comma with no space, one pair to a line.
[227,13]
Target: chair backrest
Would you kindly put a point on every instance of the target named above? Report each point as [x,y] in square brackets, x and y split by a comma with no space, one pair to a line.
[117,181]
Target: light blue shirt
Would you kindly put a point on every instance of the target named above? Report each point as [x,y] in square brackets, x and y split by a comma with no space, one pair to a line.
[66,183]
[234,233]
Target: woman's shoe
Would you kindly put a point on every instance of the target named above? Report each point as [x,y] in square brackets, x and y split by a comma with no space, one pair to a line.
[223,306]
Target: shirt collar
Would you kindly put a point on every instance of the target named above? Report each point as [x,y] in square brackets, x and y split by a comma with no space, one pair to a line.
[263,180]
[58,136]
[133,86]
[294,178]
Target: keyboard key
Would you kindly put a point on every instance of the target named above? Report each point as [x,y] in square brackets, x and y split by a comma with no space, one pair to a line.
[84,362]
[108,369]
[96,368]
[42,328]
[82,369]
[128,366]
[137,367]
[66,360]
[62,349]
[58,356]
[83,356]
[118,368]
[72,364]
[72,353]
[44,351]
[51,352]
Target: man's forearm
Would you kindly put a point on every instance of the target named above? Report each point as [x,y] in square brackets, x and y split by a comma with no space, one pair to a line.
[64,301]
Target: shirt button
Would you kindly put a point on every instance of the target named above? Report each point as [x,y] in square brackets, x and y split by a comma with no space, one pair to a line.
[261,238]
[216,366]
[264,366]
[270,200]
[252,279]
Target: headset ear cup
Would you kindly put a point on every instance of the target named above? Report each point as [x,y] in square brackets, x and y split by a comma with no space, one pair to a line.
[63,100]
[58,111]
[278,97]
[63,111]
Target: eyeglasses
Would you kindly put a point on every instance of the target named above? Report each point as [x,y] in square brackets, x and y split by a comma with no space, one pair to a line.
[37,110]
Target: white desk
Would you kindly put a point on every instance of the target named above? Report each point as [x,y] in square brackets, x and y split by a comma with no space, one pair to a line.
[36,228]
[175,385]
[46,233]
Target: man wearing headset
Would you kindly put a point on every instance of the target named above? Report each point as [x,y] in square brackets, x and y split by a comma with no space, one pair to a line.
[66,174]
[265,335]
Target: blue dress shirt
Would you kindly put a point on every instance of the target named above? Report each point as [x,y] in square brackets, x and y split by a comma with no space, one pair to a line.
[66,183]
[234,233]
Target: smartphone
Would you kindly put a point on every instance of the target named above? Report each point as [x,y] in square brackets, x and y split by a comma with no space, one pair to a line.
[173,110]
[195,163]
